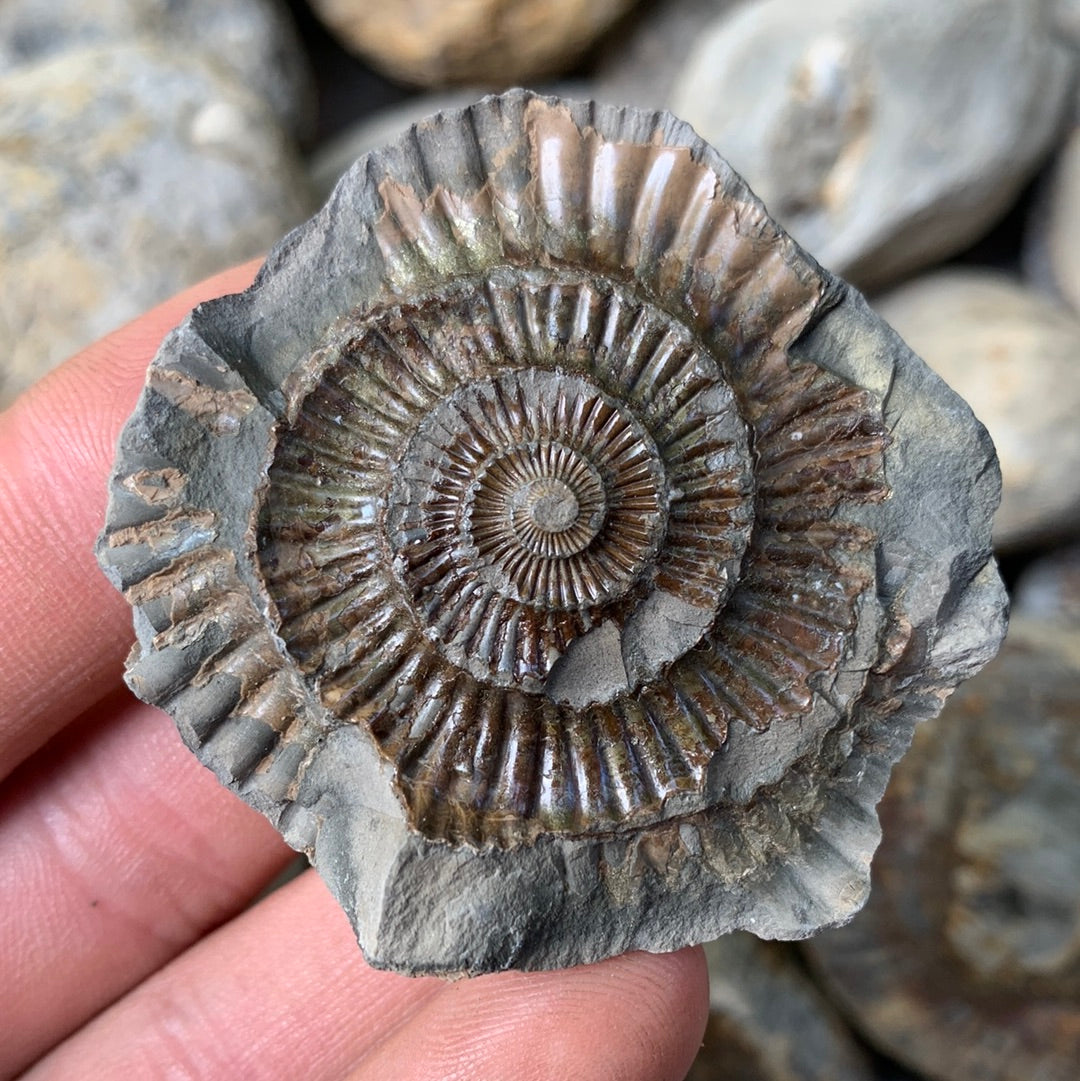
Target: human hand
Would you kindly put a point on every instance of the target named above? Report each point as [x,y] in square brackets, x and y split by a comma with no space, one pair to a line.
[127,947]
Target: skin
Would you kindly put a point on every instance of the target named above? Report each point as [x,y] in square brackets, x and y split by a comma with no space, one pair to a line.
[129,942]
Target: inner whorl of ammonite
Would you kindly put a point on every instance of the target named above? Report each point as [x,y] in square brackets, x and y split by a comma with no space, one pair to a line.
[509,485]
[534,496]
[509,531]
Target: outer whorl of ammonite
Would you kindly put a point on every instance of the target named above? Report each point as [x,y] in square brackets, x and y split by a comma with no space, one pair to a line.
[551,548]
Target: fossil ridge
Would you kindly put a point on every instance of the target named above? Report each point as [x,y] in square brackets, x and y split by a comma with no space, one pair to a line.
[551,549]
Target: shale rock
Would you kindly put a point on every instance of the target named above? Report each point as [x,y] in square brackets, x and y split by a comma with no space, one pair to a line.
[768,1022]
[884,134]
[254,40]
[551,549]
[126,174]
[1015,357]
[494,43]
[966,961]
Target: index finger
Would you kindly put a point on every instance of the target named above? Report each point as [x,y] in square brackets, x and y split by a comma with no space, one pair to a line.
[66,629]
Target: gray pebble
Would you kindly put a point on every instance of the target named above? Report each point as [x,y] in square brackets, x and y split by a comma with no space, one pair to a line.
[965,963]
[768,1022]
[1049,589]
[641,65]
[1051,253]
[126,174]
[884,135]
[1015,356]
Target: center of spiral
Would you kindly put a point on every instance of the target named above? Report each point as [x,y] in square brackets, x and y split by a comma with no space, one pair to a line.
[549,504]
[544,499]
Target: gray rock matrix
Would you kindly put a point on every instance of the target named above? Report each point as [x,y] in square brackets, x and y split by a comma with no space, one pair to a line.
[782,839]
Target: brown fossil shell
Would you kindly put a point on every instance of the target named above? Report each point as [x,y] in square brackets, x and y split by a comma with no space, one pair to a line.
[536,506]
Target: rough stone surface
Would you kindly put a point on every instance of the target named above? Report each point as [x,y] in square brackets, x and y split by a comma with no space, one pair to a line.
[768,1022]
[1049,589]
[254,40]
[1013,355]
[126,174]
[883,135]
[508,732]
[494,43]
[966,961]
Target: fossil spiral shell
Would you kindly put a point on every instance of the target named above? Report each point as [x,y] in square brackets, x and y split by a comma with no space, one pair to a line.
[547,539]
[513,491]
[517,531]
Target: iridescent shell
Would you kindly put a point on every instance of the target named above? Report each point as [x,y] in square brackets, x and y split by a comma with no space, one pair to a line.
[517,507]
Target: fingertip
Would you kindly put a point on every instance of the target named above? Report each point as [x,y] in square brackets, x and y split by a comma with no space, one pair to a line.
[638,1017]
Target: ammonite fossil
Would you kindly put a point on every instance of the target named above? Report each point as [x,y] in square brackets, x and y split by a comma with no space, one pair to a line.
[966,962]
[551,549]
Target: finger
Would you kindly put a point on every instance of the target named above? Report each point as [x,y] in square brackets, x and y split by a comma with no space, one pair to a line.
[282,992]
[66,630]
[120,850]
[635,1018]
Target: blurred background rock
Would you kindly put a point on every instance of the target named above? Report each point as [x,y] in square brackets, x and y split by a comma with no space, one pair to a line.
[927,149]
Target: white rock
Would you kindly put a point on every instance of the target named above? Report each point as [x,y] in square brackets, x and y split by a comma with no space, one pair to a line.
[885,134]
[1015,356]
[126,174]
[255,39]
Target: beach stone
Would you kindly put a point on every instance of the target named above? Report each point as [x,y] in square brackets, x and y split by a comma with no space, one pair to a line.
[884,135]
[494,43]
[641,62]
[965,963]
[334,157]
[1052,245]
[1065,16]
[768,1021]
[1049,589]
[254,39]
[1015,356]
[126,174]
